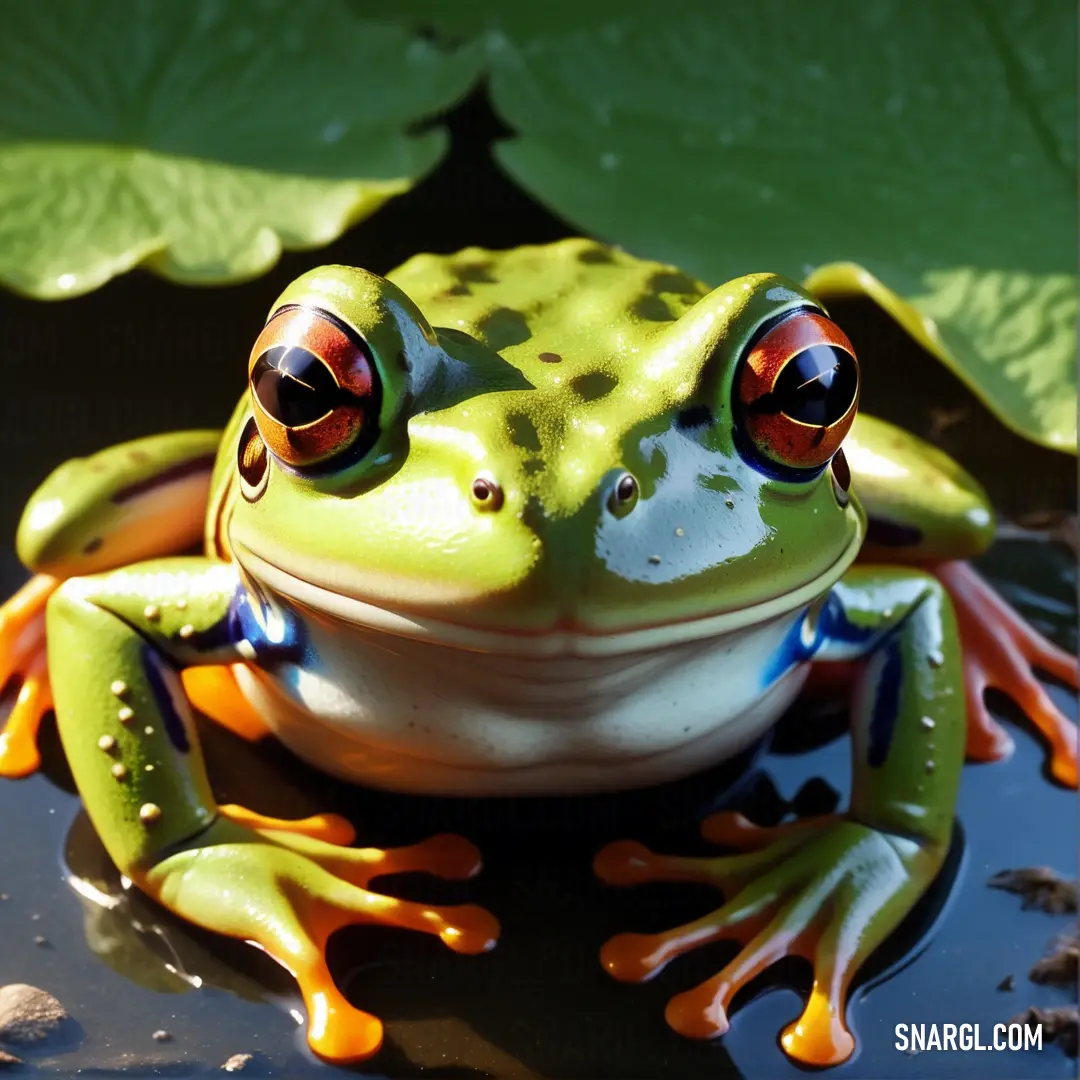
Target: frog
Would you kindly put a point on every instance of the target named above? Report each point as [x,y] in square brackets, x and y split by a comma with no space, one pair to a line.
[543,521]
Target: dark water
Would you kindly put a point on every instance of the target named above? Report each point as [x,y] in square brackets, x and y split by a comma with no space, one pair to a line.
[539,1005]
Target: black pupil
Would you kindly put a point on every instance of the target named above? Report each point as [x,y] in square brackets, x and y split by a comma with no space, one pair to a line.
[817,386]
[627,487]
[294,386]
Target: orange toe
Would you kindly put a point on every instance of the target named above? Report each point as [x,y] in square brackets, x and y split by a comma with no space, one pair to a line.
[331,828]
[819,1037]
[338,1032]
[698,1013]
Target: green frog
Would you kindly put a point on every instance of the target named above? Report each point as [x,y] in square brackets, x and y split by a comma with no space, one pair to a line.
[535,522]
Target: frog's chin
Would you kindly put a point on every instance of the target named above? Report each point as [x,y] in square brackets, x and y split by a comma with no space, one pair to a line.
[560,639]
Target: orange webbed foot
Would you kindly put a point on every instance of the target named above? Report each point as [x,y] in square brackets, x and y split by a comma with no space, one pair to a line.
[300,886]
[1002,652]
[22,661]
[826,889]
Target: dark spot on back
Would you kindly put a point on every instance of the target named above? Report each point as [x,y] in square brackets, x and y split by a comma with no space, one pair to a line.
[652,308]
[478,272]
[460,289]
[595,255]
[92,546]
[667,281]
[503,327]
[533,465]
[523,432]
[140,457]
[694,416]
[593,385]
[549,358]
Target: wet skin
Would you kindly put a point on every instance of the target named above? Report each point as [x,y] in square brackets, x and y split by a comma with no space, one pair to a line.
[541,521]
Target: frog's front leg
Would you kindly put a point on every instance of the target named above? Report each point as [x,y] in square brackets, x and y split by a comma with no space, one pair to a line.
[829,889]
[115,642]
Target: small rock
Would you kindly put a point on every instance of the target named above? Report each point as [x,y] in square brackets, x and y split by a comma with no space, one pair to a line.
[28,1014]
[9,1061]
[4,896]
[161,1036]
[236,1063]
[1008,983]
[41,942]
[1040,887]
[1060,1025]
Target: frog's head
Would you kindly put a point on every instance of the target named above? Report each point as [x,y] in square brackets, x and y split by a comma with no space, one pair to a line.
[592,453]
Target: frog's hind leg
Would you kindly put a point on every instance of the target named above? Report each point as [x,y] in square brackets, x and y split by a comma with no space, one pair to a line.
[1001,652]
[128,502]
[931,514]
[23,665]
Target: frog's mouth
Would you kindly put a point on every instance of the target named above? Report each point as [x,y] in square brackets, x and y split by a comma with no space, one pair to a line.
[564,638]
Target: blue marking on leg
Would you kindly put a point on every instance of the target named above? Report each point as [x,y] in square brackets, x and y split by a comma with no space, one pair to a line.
[802,643]
[796,648]
[886,705]
[158,678]
[835,626]
[272,633]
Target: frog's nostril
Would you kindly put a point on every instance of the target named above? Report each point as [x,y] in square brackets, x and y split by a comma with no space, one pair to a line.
[624,495]
[486,493]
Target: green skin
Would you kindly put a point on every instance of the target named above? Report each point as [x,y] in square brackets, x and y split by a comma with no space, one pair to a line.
[639,343]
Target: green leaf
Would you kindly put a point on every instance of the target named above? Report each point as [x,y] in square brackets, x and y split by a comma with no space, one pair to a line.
[200,137]
[933,144]
[1010,337]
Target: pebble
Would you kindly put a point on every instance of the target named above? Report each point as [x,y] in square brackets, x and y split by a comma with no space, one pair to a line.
[28,1014]
[236,1063]
[161,1036]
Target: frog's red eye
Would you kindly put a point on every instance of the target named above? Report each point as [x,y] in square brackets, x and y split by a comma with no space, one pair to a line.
[797,390]
[314,386]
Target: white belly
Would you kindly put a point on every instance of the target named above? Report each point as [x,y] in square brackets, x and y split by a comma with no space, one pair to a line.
[408,715]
